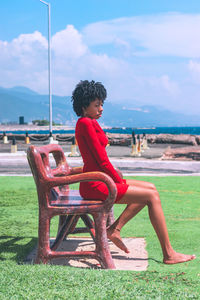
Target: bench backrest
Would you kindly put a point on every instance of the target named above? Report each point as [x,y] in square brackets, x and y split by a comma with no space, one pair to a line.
[39,161]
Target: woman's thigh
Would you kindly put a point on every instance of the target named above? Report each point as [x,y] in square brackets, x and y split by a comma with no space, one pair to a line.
[138,194]
[139,183]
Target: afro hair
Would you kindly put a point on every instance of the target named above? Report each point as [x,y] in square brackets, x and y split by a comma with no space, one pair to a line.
[85,92]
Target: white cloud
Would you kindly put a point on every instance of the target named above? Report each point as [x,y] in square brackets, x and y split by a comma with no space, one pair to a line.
[89,66]
[26,42]
[23,61]
[134,80]
[68,43]
[27,47]
[79,62]
[164,82]
[166,34]
[135,109]
[194,67]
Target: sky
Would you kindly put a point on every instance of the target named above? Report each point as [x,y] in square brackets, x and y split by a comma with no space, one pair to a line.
[144,52]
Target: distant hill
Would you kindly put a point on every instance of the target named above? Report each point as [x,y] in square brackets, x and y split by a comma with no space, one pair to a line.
[21,101]
[146,116]
[17,102]
[22,90]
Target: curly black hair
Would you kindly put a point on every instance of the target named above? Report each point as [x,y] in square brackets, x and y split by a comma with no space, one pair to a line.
[85,92]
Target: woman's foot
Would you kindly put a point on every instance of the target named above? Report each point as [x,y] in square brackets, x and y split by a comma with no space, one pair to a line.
[114,236]
[177,258]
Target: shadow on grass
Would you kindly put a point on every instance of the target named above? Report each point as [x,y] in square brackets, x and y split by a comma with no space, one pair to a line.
[15,248]
[155,260]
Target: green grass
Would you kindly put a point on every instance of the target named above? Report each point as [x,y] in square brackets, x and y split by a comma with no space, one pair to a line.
[180,198]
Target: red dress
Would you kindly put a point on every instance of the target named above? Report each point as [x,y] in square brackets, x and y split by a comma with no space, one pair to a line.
[92,142]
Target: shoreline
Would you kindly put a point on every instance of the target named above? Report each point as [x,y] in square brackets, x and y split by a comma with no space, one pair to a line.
[185,147]
[115,130]
[28,127]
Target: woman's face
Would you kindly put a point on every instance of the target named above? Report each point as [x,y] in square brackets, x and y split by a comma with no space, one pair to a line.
[94,110]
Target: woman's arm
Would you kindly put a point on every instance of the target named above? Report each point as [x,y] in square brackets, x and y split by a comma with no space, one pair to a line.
[98,151]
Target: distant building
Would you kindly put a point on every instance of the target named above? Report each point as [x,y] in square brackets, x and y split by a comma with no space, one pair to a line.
[21,120]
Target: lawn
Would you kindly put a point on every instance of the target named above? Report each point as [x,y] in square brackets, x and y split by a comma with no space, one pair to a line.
[180,198]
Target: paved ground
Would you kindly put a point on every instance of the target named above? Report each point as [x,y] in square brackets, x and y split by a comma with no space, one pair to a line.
[149,162]
[136,260]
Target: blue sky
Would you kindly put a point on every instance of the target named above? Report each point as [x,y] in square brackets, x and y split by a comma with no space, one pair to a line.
[145,52]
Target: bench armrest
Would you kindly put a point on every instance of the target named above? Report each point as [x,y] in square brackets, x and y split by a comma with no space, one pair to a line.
[88,176]
[119,172]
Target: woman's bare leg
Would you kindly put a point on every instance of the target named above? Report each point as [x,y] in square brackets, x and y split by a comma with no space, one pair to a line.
[136,198]
[113,232]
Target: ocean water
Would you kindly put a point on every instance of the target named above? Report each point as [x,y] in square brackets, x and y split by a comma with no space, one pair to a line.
[124,130]
[157,130]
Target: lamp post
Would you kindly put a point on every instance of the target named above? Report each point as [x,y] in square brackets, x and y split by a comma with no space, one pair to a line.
[49,69]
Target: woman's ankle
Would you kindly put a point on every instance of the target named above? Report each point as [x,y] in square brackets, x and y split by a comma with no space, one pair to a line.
[167,254]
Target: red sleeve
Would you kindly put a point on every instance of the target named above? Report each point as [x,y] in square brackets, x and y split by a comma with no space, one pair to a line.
[97,150]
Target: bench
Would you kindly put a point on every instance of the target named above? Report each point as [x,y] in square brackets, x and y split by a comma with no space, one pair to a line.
[55,198]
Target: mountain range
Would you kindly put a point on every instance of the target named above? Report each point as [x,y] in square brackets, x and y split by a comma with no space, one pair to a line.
[21,101]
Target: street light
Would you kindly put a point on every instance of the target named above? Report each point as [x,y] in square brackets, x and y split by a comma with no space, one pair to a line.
[49,69]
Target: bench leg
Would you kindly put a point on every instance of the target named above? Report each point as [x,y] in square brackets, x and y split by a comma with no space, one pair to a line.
[102,247]
[62,220]
[64,230]
[73,229]
[43,239]
[89,224]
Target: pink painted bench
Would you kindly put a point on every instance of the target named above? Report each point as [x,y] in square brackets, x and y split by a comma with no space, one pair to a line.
[55,198]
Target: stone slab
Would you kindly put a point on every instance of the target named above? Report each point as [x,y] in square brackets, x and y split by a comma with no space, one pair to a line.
[136,260]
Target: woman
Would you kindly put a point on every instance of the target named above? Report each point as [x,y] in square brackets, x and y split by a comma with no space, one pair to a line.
[88,98]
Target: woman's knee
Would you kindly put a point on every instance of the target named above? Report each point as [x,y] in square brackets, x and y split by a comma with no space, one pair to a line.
[154,197]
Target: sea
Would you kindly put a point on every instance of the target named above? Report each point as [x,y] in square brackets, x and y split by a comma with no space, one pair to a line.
[156,130]
[122,130]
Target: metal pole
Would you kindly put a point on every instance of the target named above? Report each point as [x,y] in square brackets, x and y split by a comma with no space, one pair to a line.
[49,65]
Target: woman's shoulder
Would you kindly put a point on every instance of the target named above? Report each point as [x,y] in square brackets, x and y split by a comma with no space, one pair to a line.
[86,121]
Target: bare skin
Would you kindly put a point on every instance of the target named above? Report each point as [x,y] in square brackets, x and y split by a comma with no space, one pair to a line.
[138,195]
